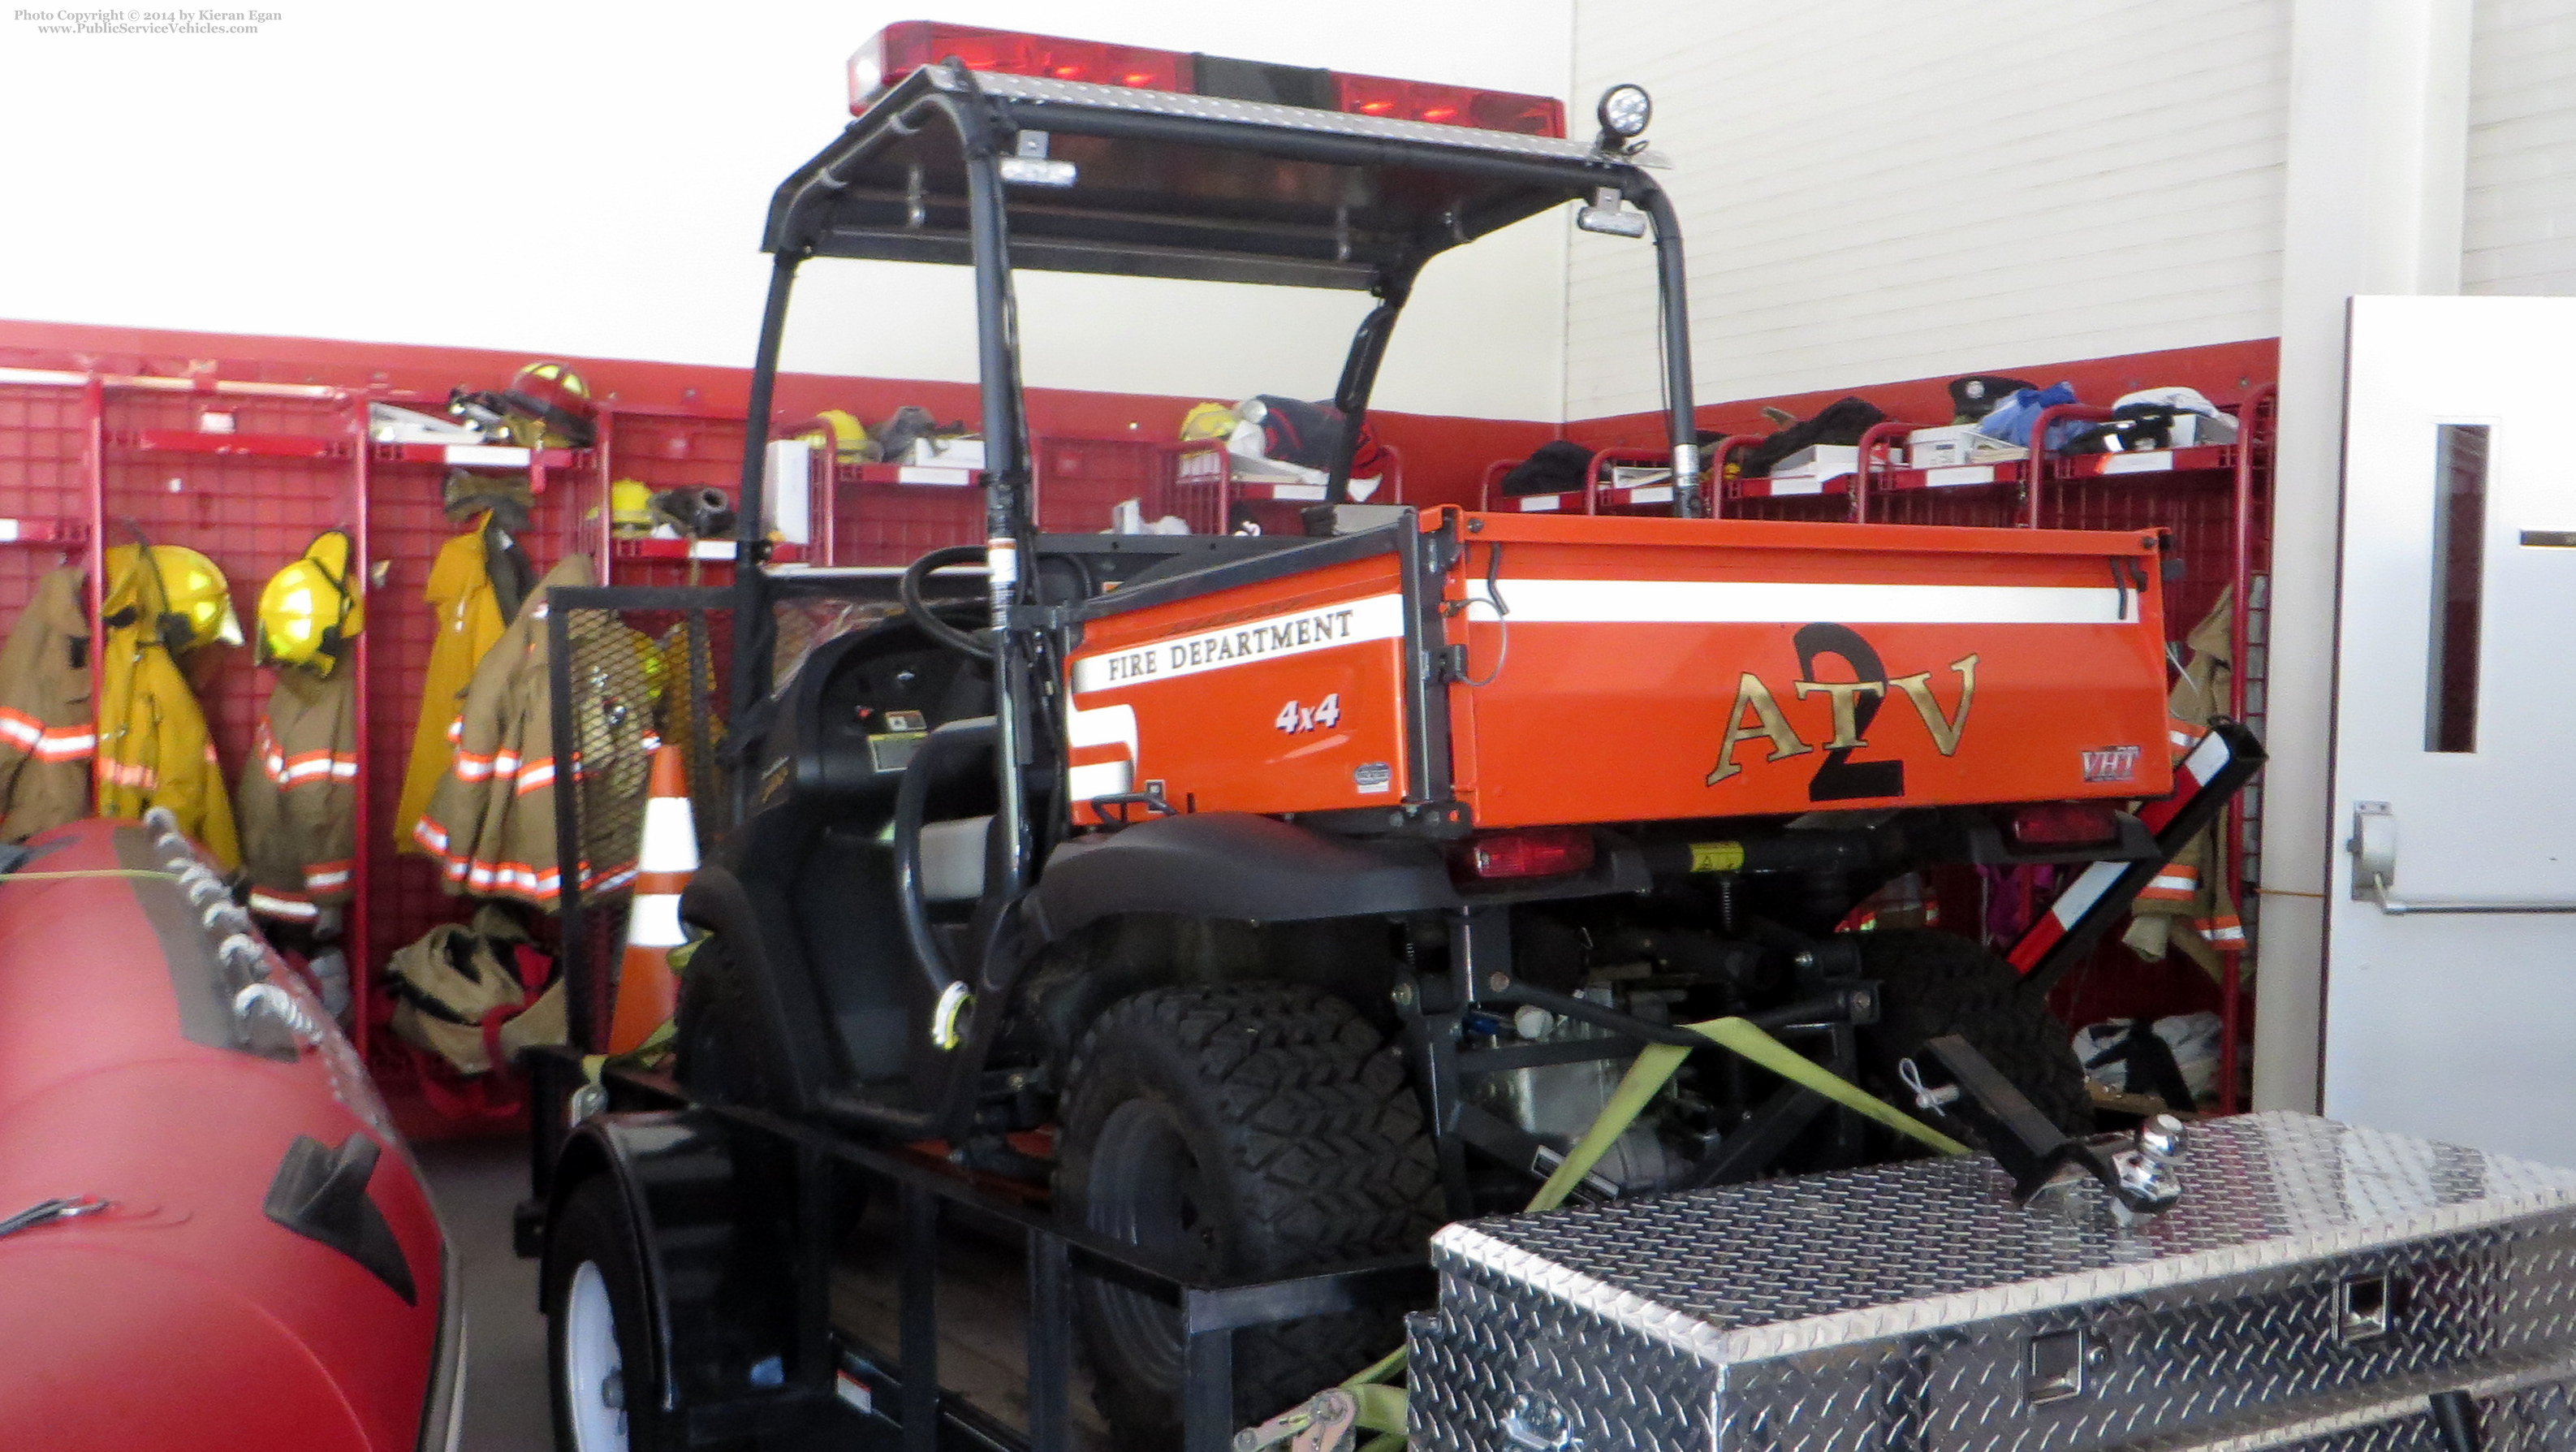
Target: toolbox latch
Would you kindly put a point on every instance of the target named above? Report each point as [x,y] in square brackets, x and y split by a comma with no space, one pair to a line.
[2055,1369]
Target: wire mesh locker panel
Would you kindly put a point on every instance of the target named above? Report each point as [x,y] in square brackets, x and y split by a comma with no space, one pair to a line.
[1829,508]
[248,482]
[1080,482]
[872,516]
[632,667]
[44,487]
[660,449]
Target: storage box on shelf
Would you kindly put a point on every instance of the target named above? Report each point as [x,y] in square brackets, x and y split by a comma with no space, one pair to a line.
[1215,493]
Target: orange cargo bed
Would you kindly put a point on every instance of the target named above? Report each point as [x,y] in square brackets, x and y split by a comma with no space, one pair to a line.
[1509,670]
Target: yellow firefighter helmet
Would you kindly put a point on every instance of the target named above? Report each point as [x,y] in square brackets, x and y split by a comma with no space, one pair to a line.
[179,595]
[630,508]
[1207,421]
[313,607]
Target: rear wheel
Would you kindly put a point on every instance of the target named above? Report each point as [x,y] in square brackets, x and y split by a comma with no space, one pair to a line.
[1937,983]
[596,1328]
[1237,1131]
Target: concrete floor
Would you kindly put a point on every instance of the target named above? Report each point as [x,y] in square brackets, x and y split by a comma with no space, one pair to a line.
[476,1182]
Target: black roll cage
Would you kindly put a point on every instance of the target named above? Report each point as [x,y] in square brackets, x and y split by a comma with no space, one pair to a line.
[883,191]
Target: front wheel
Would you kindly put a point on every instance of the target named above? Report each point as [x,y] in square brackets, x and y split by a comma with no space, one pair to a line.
[1237,1131]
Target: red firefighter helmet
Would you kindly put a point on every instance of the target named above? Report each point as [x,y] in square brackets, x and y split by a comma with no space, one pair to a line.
[556,398]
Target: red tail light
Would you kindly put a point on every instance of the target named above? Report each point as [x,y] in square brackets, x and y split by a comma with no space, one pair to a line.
[1527,852]
[907,45]
[2065,824]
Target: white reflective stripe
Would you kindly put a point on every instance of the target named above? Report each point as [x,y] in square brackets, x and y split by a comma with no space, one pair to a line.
[2186,883]
[312,769]
[1957,474]
[2208,758]
[670,837]
[1100,779]
[1102,726]
[1783,485]
[59,747]
[487,454]
[1539,503]
[2156,461]
[281,907]
[1376,617]
[2086,890]
[1782,602]
[654,921]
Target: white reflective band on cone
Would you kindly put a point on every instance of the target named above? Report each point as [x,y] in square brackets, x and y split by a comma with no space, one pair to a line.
[670,836]
[654,921]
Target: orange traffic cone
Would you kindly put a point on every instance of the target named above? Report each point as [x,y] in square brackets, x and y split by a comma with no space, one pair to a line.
[647,994]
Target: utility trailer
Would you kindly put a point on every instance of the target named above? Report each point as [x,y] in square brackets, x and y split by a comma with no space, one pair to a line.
[1223,914]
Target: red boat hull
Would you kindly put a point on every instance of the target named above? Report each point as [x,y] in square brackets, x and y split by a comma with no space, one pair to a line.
[187,1315]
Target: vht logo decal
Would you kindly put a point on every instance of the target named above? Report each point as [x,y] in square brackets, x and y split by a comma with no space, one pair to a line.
[1854,704]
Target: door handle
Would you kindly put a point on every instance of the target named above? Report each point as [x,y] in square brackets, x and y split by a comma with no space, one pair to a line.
[2373,846]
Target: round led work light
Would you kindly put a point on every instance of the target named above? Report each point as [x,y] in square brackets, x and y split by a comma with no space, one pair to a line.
[1625,110]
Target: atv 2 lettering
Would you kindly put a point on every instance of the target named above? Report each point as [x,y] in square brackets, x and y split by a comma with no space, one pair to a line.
[1326,713]
[1852,707]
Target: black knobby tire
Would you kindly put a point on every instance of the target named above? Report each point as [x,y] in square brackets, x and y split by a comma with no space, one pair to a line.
[592,1228]
[1244,1130]
[1936,983]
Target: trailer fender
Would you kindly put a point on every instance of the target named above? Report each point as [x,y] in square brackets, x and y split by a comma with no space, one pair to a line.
[712,1213]
[1237,866]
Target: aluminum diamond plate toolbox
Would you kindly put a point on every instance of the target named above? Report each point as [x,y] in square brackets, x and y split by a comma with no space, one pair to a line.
[2316,1283]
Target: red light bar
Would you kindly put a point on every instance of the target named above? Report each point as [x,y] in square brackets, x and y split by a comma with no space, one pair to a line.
[1450,105]
[907,45]
[1527,852]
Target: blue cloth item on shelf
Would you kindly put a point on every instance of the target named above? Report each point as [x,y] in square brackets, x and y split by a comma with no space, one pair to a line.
[2012,419]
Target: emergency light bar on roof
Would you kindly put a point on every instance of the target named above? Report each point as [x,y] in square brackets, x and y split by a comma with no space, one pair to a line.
[908,45]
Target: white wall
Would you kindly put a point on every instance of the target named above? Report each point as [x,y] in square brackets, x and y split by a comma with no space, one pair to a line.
[1875,190]
[557,177]
[2521,204]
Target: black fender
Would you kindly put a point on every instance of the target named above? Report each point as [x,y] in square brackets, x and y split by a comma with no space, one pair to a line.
[1234,865]
[713,1211]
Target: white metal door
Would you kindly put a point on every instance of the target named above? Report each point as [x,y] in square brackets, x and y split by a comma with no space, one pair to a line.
[2451,974]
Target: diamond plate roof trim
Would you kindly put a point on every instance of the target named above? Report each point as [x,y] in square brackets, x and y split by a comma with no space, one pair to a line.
[2142,1260]
[1048,91]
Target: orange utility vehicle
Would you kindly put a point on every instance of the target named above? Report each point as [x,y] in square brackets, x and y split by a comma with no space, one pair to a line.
[1226,912]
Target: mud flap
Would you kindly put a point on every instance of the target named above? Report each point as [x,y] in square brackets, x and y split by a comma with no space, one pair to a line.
[2215,769]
